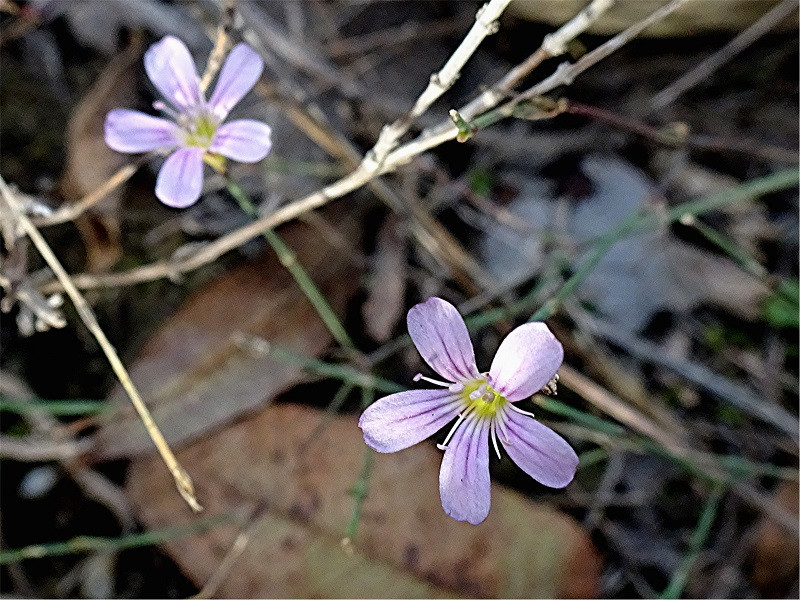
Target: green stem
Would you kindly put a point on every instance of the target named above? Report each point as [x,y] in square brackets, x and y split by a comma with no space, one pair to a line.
[361,486]
[675,587]
[289,260]
[103,544]
[59,408]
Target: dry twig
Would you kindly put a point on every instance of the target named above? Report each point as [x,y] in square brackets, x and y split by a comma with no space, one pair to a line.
[704,70]
[182,480]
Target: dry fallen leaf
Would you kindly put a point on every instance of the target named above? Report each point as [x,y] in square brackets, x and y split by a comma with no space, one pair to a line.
[405,546]
[203,368]
[208,394]
[386,300]
[775,562]
[90,162]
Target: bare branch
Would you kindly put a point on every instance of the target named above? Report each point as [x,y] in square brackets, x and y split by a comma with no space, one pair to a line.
[182,480]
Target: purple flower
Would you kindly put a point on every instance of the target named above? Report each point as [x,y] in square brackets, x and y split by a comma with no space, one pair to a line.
[196,131]
[526,361]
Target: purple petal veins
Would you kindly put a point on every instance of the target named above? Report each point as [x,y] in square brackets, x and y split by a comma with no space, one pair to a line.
[401,420]
[538,450]
[238,75]
[244,140]
[132,131]
[526,360]
[464,484]
[441,337]
[170,67]
[180,179]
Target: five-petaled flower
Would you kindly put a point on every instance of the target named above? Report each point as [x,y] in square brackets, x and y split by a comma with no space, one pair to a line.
[483,404]
[197,131]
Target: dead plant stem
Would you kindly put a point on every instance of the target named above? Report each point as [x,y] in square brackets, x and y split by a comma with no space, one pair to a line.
[182,479]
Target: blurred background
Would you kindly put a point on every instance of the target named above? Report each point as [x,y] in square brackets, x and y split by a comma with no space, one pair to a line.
[648,211]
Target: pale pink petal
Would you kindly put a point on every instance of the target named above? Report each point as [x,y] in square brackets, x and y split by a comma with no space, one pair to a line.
[442,339]
[170,67]
[401,420]
[538,450]
[244,140]
[464,484]
[526,360]
[180,179]
[238,75]
[132,131]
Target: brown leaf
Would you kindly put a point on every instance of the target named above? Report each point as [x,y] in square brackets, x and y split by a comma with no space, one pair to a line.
[386,301]
[405,547]
[199,371]
[775,563]
[90,162]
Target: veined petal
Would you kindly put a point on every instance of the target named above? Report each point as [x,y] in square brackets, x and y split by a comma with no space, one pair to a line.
[538,450]
[238,75]
[526,360]
[132,131]
[170,67]
[180,179]
[464,484]
[401,420]
[440,335]
[244,140]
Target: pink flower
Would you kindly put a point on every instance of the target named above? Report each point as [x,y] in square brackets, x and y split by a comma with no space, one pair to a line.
[197,129]
[526,361]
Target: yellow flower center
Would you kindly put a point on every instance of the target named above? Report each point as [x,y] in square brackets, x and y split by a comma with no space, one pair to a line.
[482,399]
[199,132]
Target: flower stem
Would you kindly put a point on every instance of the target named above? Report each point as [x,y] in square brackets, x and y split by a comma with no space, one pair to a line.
[289,260]
[108,544]
[675,587]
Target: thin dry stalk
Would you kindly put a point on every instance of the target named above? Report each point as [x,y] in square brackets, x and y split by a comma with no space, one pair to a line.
[554,44]
[366,172]
[705,69]
[485,24]
[182,479]
[221,45]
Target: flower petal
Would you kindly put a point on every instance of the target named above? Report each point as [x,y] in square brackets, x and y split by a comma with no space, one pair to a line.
[170,67]
[526,360]
[132,131]
[401,420]
[180,179]
[244,140]
[464,477]
[238,75]
[440,335]
[538,450]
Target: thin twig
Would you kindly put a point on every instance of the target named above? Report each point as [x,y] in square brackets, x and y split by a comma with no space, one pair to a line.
[71,211]
[675,587]
[430,138]
[554,44]
[220,45]
[30,449]
[678,139]
[708,66]
[485,24]
[182,479]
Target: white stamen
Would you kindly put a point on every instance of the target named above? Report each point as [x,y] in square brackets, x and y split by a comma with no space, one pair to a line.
[167,110]
[420,376]
[461,417]
[492,431]
[520,411]
[501,422]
